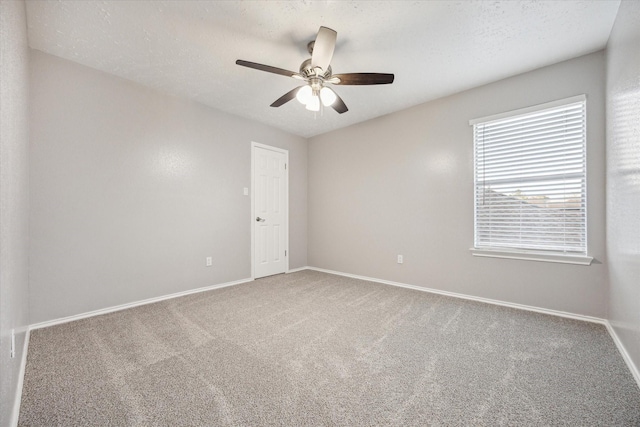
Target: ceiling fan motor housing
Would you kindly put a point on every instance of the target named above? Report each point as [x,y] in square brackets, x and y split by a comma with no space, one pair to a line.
[307,71]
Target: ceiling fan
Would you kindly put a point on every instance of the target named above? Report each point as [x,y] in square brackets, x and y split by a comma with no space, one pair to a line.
[316,73]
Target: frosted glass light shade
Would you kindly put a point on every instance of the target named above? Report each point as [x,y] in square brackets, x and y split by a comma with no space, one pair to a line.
[304,94]
[314,103]
[328,96]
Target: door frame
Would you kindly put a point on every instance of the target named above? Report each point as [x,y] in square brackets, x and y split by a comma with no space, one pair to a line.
[255,145]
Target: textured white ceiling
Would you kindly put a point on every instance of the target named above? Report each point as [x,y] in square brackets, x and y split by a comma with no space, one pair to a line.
[434,48]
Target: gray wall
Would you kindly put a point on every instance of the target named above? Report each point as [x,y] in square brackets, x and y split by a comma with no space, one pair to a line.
[623,177]
[14,196]
[403,184]
[131,189]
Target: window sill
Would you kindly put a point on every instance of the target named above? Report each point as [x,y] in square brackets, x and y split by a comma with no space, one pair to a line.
[533,256]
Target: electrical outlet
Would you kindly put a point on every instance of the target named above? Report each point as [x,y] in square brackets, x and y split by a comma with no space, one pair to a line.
[13,343]
[400,259]
[209,261]
[245,191]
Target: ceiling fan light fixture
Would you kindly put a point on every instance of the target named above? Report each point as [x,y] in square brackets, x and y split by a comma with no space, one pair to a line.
[327,96]
[314,103]
[304,95]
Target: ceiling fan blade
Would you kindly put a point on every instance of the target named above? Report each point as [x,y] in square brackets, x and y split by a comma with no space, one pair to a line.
[323,48]
[286,97]
[363,79]
[339,104]
[267,68]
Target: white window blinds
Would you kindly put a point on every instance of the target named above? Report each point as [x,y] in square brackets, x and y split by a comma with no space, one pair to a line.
[530,179]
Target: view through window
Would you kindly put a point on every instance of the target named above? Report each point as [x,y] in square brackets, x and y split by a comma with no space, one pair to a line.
[530,179]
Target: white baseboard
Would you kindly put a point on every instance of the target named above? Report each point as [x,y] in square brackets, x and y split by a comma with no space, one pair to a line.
[134,304]
[471,297]
[15,414]
[623,351]
[306,267]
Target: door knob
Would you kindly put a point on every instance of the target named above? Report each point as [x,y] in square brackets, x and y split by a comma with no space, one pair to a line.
[260,219]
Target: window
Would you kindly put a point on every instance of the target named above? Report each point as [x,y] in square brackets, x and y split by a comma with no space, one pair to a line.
[530,183]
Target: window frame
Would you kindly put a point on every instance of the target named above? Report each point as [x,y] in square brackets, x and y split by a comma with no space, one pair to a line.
[522,253]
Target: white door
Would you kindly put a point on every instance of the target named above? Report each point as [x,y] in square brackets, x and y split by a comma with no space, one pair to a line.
[270,210]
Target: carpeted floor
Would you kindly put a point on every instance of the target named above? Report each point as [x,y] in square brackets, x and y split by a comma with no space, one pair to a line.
[310,348]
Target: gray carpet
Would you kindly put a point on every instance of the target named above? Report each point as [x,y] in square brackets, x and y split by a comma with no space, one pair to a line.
[310,348]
